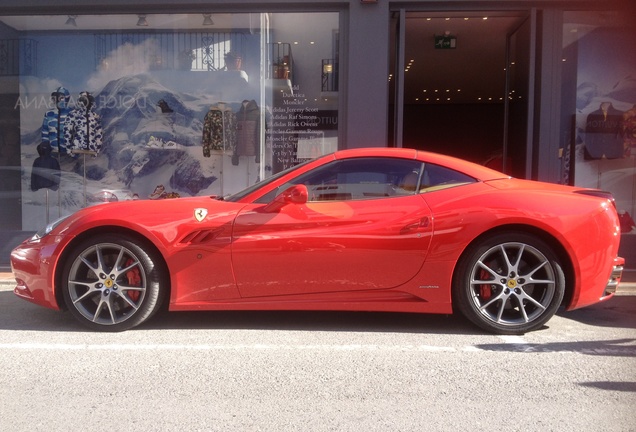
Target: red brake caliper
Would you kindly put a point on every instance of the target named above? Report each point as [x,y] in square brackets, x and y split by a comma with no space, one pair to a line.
[134,279]
[485,291]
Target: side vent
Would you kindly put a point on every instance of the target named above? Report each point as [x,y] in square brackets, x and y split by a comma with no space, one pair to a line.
[200,236]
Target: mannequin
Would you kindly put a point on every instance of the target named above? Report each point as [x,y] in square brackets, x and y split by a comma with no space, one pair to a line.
[53,125]
[45,173]
[46,169]
[83,126]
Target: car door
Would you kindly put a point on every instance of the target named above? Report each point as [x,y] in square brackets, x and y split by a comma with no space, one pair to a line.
[362,228]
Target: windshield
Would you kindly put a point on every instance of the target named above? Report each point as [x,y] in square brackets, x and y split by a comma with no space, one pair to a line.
[245,192]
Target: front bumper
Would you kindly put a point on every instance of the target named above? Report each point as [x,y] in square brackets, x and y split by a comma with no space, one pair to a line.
[32,267]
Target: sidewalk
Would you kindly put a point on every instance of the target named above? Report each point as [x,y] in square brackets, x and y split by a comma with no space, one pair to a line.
[626,288]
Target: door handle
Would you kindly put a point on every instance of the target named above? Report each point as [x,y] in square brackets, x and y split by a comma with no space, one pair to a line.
[422,223]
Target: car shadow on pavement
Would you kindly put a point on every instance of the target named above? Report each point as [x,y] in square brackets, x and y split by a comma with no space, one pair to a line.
[629,387]
[18,314]
[387,322]
[616,312]
[605,348]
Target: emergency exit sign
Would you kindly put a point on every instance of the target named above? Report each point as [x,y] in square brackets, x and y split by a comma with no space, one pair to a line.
[445,42]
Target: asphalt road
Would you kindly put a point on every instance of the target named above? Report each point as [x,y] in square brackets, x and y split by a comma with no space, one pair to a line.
[298,371]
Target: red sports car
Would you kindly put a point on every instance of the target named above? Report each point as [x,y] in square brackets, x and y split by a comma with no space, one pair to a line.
[377,229]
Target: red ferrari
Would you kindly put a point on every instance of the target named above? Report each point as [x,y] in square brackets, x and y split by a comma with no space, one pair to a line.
[378,229]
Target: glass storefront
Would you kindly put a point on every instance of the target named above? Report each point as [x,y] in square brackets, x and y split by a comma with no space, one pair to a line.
[108,107]
[117,107]
[599,107]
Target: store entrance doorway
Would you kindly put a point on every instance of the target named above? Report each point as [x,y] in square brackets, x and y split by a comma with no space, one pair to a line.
[461,86]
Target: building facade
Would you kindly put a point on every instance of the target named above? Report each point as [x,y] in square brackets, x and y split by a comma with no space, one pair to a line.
[155,100]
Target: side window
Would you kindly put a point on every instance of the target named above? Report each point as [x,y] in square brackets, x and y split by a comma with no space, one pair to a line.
[437,177]
[359,179]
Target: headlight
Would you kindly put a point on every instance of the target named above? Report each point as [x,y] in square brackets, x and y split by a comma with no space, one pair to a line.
[50,227]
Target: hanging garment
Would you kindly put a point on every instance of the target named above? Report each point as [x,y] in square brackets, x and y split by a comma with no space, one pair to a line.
[603,134]
[219,130]
[248,130]
[629,132]
[46,169]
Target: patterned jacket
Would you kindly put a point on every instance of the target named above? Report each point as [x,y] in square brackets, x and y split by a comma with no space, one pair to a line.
[219,130]
[53,127]
[83,130]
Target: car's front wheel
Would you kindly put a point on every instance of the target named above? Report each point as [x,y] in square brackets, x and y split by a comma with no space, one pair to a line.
[509,283]
[111,283]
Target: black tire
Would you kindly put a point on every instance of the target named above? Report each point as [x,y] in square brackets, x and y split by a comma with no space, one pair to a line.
[113,283]
[510,283]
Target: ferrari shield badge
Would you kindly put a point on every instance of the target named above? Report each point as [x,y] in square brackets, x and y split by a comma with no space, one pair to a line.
[200,214]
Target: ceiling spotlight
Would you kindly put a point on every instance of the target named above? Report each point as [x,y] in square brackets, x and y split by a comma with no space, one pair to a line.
[141,21]
[207,20]
[71,20]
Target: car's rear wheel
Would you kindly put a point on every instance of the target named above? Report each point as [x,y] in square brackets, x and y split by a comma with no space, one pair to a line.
[112,283]
[509,283]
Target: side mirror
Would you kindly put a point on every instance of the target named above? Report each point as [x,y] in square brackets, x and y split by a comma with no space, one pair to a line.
[297,194]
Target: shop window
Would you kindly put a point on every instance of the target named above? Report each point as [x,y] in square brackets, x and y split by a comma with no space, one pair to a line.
[160,106]
[599,106]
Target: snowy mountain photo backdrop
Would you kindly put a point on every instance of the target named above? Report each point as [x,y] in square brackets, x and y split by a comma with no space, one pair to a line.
[144,145]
